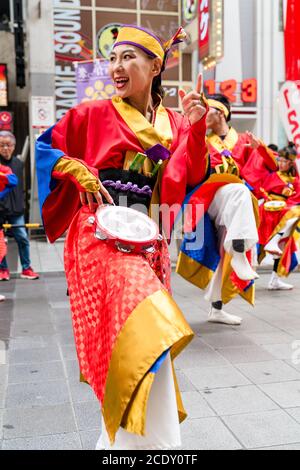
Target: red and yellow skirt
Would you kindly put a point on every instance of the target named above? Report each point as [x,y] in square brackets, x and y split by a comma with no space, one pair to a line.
[124,318]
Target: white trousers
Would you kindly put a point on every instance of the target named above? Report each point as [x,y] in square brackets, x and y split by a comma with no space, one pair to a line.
[287,229]
[162,422]
[233,215]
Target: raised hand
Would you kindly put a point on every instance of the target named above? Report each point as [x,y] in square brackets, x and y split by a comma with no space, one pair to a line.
[253,141]
[193,103]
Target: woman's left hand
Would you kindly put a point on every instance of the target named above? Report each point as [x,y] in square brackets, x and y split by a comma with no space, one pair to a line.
[193,103]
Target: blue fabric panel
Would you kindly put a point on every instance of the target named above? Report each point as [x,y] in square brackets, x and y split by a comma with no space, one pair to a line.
[46,158]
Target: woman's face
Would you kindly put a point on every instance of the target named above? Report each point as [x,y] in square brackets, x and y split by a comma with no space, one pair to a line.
[131,70]
[284,164]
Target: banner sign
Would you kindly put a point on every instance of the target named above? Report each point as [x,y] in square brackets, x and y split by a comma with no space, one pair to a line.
[203,28]
[42,112]
[93,81]
[289,110]
[3,86]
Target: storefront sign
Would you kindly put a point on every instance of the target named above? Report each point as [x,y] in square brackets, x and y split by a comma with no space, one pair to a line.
[189,10]
[245,92]
[3,85]
[106,38]
[6,121]
[42,112]
[72,42]
[203,28]
[289,110]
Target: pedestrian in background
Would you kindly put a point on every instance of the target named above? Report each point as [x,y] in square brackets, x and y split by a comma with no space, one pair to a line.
[7,182]
[12,208]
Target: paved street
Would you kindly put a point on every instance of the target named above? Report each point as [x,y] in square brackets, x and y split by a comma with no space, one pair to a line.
[241,385]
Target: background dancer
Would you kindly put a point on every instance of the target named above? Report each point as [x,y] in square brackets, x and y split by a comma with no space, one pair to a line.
[127,327]
[223,264]
[280,215]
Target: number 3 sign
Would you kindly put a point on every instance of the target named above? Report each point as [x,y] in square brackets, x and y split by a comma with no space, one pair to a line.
[289,109]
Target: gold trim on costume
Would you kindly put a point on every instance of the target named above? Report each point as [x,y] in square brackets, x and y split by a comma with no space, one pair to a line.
[227,144]
[134,354]
[80,172]
[193,272]
[229,290]
[147,134]
[286,178]
[293,212]
[138,407]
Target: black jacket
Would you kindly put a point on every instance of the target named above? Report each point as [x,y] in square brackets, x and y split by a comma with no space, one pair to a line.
[13,203]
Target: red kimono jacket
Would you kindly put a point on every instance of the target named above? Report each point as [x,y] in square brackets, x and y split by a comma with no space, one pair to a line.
[253,164]
[272,222]
[98,135]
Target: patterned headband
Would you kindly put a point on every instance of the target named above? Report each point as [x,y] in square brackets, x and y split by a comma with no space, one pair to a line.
[147,41]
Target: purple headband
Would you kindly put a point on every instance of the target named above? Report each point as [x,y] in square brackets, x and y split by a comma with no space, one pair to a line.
[147,51]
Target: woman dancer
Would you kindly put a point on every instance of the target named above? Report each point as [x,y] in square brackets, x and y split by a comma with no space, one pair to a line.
[280,215]
[127,327]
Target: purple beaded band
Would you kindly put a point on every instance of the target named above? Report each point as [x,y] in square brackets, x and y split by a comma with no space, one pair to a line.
[133,188]
[226,153]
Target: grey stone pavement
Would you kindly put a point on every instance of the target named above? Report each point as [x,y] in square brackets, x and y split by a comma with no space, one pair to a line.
[241,385]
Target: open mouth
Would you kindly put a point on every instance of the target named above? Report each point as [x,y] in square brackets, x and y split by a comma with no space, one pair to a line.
[121,82]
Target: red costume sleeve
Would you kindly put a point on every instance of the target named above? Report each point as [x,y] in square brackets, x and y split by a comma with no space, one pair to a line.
[258,164]
[188,164]
[69,136]
[3,180]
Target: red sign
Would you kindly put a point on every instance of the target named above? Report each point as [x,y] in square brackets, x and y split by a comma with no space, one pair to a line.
[289,109]
[6,121]
[203,28]
[292,41]
[234,91]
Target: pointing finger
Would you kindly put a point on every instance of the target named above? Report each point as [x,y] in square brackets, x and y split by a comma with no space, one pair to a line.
[199,88]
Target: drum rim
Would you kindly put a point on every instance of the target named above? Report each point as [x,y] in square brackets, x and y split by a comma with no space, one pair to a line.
[271,205]
[126,240]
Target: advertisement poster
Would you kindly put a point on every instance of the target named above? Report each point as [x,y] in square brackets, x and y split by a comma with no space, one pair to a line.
[93,81]
[3,86]
[42,111]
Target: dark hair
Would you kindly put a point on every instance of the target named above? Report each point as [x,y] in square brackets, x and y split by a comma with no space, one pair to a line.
[285,152]
[157,86]
[273,147]
[222,99]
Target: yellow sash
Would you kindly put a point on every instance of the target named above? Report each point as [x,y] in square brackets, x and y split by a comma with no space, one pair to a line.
[147,134]
[228,164]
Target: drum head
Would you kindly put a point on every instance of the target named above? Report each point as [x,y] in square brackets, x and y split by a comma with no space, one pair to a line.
[274,205]
[126,225]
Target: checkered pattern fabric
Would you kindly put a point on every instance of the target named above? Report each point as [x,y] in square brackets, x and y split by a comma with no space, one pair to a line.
[105,286]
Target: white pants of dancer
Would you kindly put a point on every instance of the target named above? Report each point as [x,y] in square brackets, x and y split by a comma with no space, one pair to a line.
[162,422]
[233,215]
[287,229]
